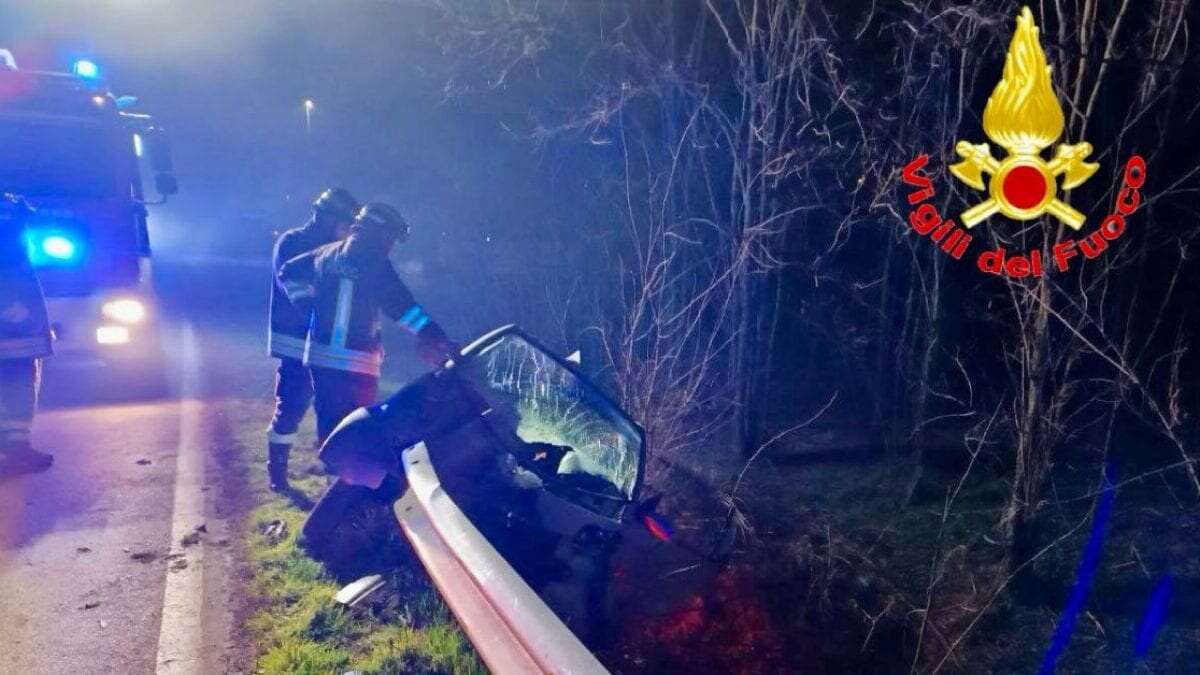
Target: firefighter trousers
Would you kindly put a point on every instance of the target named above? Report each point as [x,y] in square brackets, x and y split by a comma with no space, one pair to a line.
[19,382]
[339,393]
[293,395]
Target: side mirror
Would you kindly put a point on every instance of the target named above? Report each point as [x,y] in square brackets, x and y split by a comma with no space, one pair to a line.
[166,184]
[158,150]
[657,524]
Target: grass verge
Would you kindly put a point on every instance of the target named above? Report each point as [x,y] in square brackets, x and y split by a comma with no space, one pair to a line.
[295,623]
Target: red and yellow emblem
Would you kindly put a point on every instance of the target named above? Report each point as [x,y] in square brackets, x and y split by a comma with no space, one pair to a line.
[1023,117]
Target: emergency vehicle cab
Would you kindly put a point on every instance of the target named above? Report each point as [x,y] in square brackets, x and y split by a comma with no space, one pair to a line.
[75,152]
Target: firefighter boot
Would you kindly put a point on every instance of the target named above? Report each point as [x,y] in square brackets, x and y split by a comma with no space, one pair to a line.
[277,465]
[20,458]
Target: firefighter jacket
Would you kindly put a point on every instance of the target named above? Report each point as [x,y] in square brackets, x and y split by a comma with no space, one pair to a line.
[24,325]
[350,286]
[289,325]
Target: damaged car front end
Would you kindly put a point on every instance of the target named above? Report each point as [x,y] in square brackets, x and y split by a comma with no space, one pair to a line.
[517,483]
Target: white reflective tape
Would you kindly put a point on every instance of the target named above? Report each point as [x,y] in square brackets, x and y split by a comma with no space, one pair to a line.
[351,360]
[341,315]
[280,344]
[297,290]
[277,438]
[373,217]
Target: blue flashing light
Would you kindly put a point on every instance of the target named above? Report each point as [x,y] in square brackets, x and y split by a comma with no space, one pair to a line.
[53,248]
[86,69]
[58,247]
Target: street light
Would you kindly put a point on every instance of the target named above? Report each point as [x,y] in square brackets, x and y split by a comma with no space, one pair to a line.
[308,108]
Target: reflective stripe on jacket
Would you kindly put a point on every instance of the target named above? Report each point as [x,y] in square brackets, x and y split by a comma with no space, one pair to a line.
[351,286]
[289,325]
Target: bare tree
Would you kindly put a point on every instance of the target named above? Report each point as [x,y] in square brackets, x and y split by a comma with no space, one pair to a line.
[750,148]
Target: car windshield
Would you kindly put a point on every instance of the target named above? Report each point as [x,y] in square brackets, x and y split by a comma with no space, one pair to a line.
[557,406]
[62,158]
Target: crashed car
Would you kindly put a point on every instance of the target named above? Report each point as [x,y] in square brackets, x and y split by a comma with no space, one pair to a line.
[518,486]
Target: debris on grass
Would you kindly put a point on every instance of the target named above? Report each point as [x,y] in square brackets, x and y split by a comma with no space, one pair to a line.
[305,629]
[297,626]
[355,592]
[275,531]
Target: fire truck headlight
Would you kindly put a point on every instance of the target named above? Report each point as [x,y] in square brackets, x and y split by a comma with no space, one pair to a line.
[112,335]
[125,310]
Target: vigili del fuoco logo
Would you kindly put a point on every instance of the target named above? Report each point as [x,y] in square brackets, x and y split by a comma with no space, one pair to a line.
[1023,117]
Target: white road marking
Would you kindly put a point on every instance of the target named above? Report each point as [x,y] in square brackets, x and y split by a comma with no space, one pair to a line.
[180,638]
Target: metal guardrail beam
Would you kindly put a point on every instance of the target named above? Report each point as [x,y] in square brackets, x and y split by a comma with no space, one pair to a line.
[511,627]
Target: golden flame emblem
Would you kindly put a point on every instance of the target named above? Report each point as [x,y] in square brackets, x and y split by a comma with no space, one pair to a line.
[1023,117]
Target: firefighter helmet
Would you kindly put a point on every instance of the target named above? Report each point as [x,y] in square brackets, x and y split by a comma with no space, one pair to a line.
[382,218]
[337,203]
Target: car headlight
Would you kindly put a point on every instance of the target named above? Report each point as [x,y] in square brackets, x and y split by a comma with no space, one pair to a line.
[125,310]
[112,335]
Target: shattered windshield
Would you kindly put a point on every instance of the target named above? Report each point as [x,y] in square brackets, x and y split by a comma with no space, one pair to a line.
[557,406]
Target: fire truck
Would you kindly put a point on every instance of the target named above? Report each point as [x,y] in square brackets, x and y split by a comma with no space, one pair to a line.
[76,152]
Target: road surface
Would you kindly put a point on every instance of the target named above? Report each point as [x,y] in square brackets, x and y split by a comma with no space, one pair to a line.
[95,573]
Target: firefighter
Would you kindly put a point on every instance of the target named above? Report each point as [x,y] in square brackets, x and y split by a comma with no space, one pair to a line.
[25,339]
[333,211]
[348,286]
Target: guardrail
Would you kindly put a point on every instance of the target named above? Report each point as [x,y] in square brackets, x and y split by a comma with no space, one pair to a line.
[511,627]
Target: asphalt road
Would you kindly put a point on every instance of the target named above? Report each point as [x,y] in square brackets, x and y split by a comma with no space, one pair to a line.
[94,577]
[93,550]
